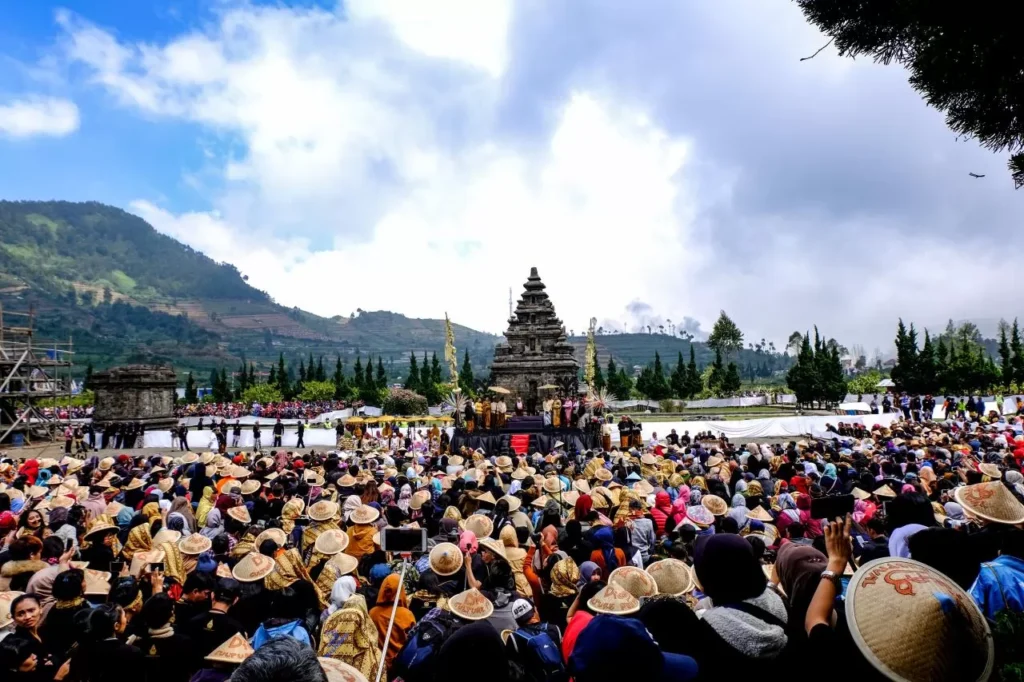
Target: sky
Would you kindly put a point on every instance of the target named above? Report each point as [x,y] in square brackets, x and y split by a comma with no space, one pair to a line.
[655,160]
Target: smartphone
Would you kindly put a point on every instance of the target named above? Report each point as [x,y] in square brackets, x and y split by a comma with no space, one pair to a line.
[68,544]
[157,567]
[404,540]
[831,507]
[116,566]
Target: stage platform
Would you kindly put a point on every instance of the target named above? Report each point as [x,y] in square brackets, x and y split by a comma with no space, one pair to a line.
[505,441]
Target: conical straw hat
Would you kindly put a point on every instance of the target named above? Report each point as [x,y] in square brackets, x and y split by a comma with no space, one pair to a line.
[235,650]
[331,542]
[715,504]
[240,514]
[913,623]
[253,566]
[445,559]
[471,605]
[324,510]
[480,525]
[166,535]
[275,534]
[635,580]
[339,671]
[363,515]
[990,501]
[672,576]
[615,600]
[345,563]
[194,544]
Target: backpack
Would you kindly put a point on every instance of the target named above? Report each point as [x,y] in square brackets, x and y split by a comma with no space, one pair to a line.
[415,662]
[535,654]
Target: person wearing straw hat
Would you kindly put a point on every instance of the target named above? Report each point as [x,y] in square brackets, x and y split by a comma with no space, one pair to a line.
[224,659]
[361,532]
[322,516]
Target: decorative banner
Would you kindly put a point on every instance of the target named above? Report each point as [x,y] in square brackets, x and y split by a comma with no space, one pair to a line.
[591,356]
[449,351]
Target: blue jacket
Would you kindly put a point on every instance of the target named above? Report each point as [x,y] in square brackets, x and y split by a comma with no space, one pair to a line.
[1000,585]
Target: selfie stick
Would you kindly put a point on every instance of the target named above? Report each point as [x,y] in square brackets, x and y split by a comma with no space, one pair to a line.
[394,608]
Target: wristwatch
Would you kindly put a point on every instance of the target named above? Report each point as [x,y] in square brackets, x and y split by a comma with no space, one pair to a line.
[830,575]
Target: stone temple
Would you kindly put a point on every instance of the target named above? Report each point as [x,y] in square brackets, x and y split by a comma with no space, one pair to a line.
[136,393]
[536,351]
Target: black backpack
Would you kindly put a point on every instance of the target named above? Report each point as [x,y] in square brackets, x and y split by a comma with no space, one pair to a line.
[415,662]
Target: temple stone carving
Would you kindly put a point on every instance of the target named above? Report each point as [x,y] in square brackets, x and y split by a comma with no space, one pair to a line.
[136,393]
[536,351]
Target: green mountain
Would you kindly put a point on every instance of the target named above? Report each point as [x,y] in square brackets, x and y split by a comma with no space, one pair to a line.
[125,293]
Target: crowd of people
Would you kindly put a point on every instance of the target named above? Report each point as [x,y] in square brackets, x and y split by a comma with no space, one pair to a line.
[288,409]
[874,553]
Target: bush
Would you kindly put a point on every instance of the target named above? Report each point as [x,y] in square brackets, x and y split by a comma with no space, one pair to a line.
[262,394]
[317,390]
[403,402]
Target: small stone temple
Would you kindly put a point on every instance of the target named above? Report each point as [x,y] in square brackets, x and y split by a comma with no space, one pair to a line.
[536,350]
[135,393]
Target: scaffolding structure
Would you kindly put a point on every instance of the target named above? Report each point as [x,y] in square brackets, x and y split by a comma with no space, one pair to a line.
[31,371]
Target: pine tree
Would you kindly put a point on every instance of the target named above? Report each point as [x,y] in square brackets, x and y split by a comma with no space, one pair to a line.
[678,380]
[413,382]
[357,378]
[242,379]
[466,375]
[435,370]
[251,381]
[694,385]
[657,388]
[340,385]
[321,375]
[309,368]
[717,373]
[302,372]
[731,381]
[214,384]
[87,381]
[272,378]
[382,376]
[191,396]
[1005,358]
[927,367]
[1017,359]
[282,378]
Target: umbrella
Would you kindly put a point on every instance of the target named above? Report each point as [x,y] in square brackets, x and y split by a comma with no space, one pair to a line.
[499,389]
[354,420]
[885,383]
[547,387]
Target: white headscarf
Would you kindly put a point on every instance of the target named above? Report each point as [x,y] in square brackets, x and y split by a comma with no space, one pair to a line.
[352,502]
[344,587]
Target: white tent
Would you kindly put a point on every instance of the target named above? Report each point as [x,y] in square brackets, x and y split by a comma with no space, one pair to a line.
[886,383]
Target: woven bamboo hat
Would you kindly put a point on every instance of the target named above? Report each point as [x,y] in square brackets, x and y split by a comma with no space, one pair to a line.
[62,501]
[240,514]
[250,487]
[141,559]
[363,515]
[642,487]
[106,464]
[615,600]
[5,607]
[235,650]
[884,491]
[165,484]
[913,623]
[480,525]
[636,581]
[520,474]
[445,559]
[471,605]
[97,582]
[699,515]
[514,503]
[759,513]
[345,563]
[190,458]
[101,527]
[194,544]
[990,470]
[325,510]
[990,501]
[715,504]
[339,671]
[672,576]
[331,542]
[275,534]
[486,498]
[860,494]
[253,566]
[582,486]
[495,547]
[552,486]
[419,498]
[603,475]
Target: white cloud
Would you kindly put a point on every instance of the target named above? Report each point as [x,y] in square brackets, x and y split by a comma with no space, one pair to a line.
[36,116]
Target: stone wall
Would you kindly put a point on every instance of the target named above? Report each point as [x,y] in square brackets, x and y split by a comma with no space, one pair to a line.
[135,393]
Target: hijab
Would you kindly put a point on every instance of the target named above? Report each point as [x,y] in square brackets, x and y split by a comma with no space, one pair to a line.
[352,502]
[605,541]
[344,587]
[726,568]
[351,637]
[474,648]
[587,569]
[565,576]
[799,568]
[214,524]
[205,505]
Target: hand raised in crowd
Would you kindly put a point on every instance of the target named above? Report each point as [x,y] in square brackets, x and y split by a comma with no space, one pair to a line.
[66,557]
[838,544]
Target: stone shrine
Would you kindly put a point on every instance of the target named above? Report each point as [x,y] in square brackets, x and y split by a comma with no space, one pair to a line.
[536,351]
[135,393]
